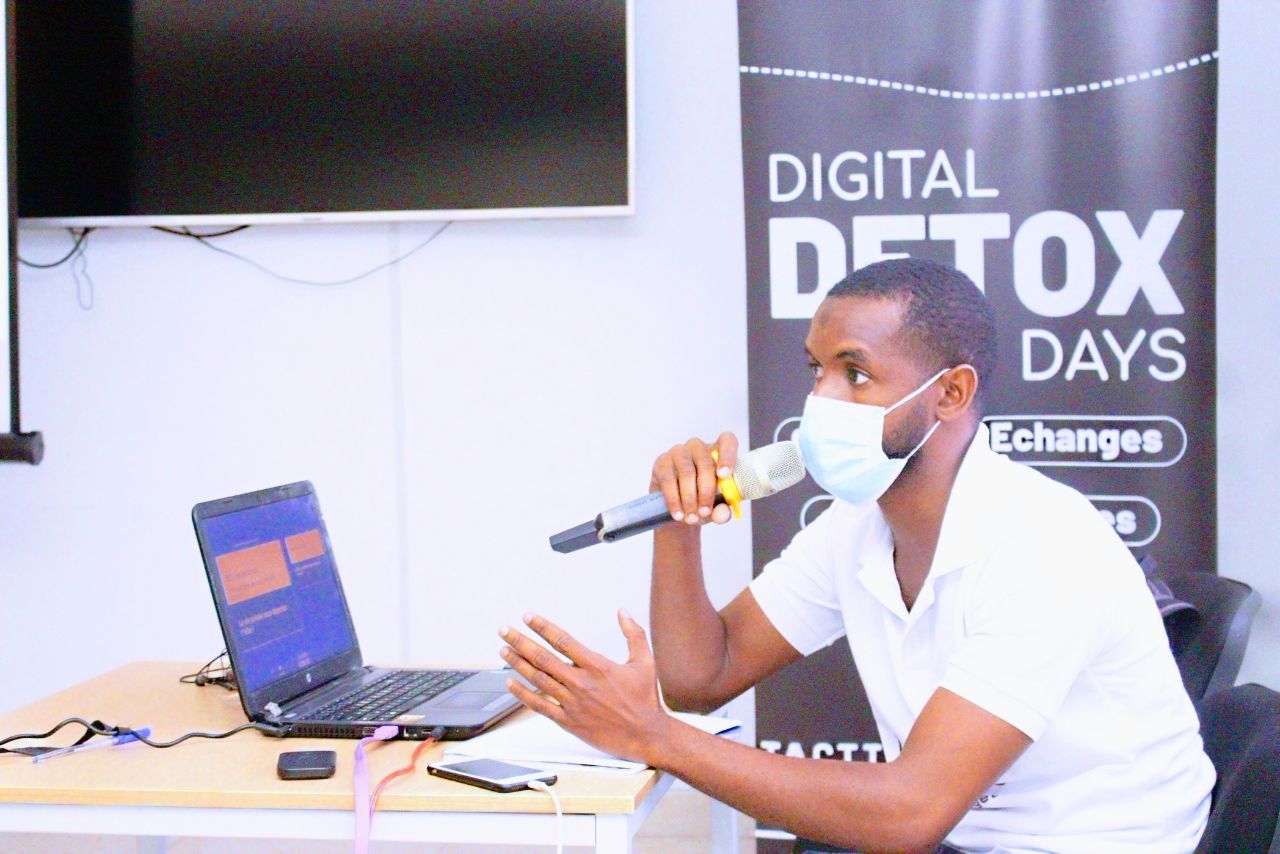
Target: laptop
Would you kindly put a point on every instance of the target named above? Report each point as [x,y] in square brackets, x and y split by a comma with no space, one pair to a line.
[290,637]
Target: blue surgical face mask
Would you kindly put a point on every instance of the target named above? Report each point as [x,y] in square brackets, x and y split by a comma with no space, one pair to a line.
[843,446]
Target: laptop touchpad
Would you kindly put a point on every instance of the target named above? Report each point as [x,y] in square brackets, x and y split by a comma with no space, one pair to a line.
[473,700]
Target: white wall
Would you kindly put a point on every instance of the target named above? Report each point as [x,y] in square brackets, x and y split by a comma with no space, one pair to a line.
[1249,319]
[508,381]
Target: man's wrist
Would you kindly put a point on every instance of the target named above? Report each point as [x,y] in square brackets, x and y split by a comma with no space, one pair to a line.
[681,535]
[665,744]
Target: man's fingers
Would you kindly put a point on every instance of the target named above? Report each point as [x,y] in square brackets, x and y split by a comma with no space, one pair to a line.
[538,678]
[665,480]
[540,704]
[561,641]
[706,467]
[727,451]
[686,476]
[537,655]
[686,483]
[637,640]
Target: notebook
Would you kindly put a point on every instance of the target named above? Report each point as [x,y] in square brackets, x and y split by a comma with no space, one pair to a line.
[536,740]
[290,637]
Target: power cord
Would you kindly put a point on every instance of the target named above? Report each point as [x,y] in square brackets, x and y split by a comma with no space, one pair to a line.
[186,232]
[79,266]
[94,728]
[84,284]
[76,248]
[209,674]
[203,240]
[539,786]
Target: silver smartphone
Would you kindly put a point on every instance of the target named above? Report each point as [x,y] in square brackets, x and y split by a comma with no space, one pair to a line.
[491,774]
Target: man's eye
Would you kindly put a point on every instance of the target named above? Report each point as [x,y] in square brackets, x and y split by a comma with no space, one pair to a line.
[857,377]
[815,369]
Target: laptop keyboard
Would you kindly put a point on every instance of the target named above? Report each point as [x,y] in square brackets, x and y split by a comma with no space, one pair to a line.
[389,695]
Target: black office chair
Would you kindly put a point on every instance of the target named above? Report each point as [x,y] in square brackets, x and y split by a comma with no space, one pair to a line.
[1209,642]
[1241,730]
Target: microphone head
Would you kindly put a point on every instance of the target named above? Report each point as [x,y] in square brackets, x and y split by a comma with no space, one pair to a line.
[766,470]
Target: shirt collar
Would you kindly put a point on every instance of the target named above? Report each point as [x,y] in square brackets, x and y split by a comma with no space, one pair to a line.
[967,524]
[966,531]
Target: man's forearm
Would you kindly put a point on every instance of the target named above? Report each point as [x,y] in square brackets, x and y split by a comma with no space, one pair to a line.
[688,633]
[868,806]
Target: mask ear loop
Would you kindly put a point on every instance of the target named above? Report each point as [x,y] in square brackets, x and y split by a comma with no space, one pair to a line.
[933,379]
[936,424]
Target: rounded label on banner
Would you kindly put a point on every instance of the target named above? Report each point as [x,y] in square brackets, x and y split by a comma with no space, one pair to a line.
[1135,518]
[1114,441]
[786,429]
[813,508]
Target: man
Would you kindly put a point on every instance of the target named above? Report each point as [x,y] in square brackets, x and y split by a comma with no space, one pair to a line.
[1014,659]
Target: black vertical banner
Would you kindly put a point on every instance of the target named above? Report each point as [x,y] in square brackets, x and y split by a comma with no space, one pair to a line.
[1062,155]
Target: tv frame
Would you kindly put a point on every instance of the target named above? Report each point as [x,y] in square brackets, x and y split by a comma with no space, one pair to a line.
[15,445]
[427,215]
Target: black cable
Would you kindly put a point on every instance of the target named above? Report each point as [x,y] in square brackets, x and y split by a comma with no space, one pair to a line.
[186,232]
[269,729]
[79,241]
[190,678]
[209,675]
[99,728]
[96,727]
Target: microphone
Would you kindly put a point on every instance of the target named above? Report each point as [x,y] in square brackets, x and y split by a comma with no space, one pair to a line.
[758,473]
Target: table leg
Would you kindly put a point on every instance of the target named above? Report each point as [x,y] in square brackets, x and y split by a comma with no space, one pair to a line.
[724,828]
[613,834]
[152,845]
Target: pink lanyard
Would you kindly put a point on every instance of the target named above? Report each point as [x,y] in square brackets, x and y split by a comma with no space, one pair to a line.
[360,781]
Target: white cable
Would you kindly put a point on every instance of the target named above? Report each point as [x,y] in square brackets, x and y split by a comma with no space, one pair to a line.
[204,241]
[539,786]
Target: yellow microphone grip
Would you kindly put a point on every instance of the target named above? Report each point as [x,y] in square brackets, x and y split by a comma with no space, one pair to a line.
[729,490]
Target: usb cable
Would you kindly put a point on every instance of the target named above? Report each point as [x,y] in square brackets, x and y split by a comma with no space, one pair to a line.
[539,786]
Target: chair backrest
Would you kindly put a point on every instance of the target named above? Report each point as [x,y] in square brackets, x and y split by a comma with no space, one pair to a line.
[1241,730]
[1209,644]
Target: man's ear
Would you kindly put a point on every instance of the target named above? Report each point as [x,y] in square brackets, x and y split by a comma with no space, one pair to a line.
[959,393]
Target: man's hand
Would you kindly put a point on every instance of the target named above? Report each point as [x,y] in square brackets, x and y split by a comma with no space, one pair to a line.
[686,476]
[612,706]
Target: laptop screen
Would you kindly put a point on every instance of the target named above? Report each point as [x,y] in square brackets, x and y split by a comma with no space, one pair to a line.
[278,589]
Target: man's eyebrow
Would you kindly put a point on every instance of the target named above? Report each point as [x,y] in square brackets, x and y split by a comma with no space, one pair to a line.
[855,354]
[851,354]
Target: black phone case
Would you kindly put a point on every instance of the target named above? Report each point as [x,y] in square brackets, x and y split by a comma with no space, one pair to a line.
[306,764]
[481,782]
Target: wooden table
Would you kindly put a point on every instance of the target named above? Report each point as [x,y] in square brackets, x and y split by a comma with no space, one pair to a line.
[229,788]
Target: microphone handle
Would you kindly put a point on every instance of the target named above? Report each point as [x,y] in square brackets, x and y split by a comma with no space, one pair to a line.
[636,517]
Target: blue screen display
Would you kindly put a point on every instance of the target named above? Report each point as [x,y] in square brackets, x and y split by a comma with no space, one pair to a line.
[278,587]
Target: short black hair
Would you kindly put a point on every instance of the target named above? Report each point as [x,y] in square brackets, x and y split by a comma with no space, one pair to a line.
[946,320]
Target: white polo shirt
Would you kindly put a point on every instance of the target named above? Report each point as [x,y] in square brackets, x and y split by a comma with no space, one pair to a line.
[1036,612]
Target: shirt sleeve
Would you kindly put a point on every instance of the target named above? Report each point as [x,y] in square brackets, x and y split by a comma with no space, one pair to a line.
[1038,614]
[796,590]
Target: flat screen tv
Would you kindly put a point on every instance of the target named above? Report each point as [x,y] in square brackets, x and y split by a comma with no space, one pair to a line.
[192,112]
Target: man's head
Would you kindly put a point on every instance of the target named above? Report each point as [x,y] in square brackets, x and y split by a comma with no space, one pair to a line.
[946,321]
[886,329]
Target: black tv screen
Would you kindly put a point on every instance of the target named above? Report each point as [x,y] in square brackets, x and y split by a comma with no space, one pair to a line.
[209,111]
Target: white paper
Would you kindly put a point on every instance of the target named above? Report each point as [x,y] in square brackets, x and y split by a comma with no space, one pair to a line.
[534,738]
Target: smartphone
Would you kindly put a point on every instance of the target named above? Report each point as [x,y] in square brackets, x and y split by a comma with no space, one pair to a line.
[306,764]
[490,774]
